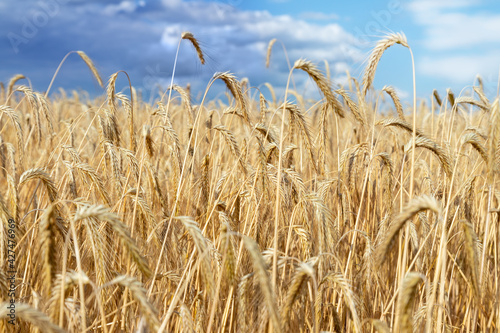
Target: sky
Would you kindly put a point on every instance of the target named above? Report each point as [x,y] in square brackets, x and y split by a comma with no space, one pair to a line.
[452,41]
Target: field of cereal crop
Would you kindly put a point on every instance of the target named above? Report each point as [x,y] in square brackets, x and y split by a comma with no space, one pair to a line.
[347,213]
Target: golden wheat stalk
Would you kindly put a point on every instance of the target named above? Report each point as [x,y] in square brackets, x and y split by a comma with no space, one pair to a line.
[43,105]
[473,139]
[17,125]
[190,37]
[444,158]
[415,206]
[264,281]
[102,213]
[400,123]
[451,97]
[91,66]
[267,133]
[302,273]
[322,82]
[91,177]
[12,82]
[139,295]
[202,247]
[406,299]
[350,298]
[31,315]
[235,88]
[387,180]
[44,177]
[148,140]
[482,96]
[397,102]
[172,134]
[471,101]
[352,106]
[269,49]
[378,51]
[233,145]
[129,107]
[437,97]
[48,242]
[494,141]
[111,91]
[30,96]
[185,100]
[472,257]
[145,210]
[297,117]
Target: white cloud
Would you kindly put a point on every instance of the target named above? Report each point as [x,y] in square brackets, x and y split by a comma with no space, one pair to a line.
[124,6]
[318,16]
[460,68]
[171,3]
[431,6]
[171,35]
[460,39]
[450,24]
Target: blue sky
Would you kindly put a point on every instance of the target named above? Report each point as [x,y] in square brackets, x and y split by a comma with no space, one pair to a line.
[452,41]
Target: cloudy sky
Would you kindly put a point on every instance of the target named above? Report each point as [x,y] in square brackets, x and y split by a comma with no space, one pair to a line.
[452,41]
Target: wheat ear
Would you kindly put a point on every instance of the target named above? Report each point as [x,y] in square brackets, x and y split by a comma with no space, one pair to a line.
[12,82]
[397,103]
[17,125]
[437,97]
[30,96]
[43,177]
[235,88]
[102,213]
[265,283]
[139,295]
[269,49]
[378,51]
[472,101]
[185,100]
[352,106]
[60,288]
[43,105]
[406,299]
[473,139]
[482,96]
[33,316]
[350,298]
[400,123]
[92,177]
[91,66]
[451,97]
[48,240]
[303,272]
[233,145]
[148,140]
[444,158]
[202,248]
[129,107]
[298,117]
[415,206]
[472,257]
[190,37]
[322,82]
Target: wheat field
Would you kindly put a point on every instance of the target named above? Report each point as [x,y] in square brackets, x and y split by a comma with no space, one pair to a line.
[347,213]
